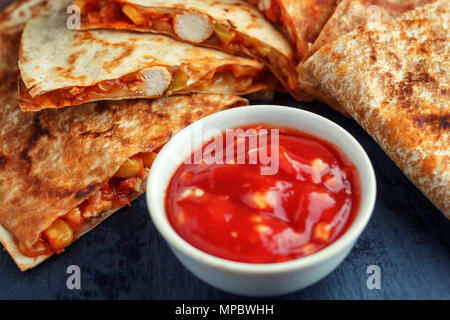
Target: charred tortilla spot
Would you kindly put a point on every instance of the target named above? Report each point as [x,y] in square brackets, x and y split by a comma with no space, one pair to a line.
[442,121]
[97,134]
[101,107]
[37,132]
[405,88]
[3,160]
[125,53]
[188,119]
[16,201]
[88,190]
[74,57]
[160,115]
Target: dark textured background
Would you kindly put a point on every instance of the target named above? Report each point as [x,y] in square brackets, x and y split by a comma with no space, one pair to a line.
[125,258]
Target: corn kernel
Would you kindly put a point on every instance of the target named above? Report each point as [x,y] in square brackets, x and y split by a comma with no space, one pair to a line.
[243,71]
[132,13]
[223,33]
[179,81]
[147,158]
[130,168]
[59,235]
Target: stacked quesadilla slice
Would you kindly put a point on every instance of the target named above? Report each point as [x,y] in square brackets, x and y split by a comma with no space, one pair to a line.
[232,26]
[62,67]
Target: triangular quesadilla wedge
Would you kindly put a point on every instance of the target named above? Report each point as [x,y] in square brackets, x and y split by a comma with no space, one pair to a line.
[349,15]
[233,26]
[393,78]
[301,20]
[62,172]
[61,67]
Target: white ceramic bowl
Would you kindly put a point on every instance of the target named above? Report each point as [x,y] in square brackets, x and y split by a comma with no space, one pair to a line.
[259,279]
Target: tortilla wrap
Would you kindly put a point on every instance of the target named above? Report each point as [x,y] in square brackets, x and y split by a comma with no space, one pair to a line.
[393,78]
[300,20]
[51,161]
[349,15]
[232,26]
[61,67]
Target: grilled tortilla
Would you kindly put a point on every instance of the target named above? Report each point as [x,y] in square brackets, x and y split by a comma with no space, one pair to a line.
[61,67]
[301,20]
[232,26]
[393,78]
[349,15]
[64,171]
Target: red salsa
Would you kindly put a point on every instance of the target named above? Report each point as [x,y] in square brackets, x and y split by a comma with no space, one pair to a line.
[232,209]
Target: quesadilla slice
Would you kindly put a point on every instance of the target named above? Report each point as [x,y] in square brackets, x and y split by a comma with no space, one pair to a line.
[232,26]
[349,15]
[62,172]
[301,20]
[393,78]
[61,67]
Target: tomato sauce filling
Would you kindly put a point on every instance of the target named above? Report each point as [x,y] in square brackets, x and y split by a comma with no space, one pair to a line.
[134,85]
[230,210]
[119,191]
[122,16]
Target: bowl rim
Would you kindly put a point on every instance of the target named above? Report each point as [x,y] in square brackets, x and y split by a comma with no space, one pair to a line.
[162,224]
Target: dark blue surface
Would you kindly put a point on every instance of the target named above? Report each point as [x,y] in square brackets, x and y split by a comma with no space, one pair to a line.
[125,258]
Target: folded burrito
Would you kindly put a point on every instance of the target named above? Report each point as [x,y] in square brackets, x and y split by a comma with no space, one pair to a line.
[393,78]
[62,172]
[61,67]
[349,15]
[301,20]
[232,26]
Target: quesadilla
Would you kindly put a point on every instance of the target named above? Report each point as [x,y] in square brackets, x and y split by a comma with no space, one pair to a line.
[62,172]
[349,15]
[301,20]
[61,67]
[233,26]
[393,78]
